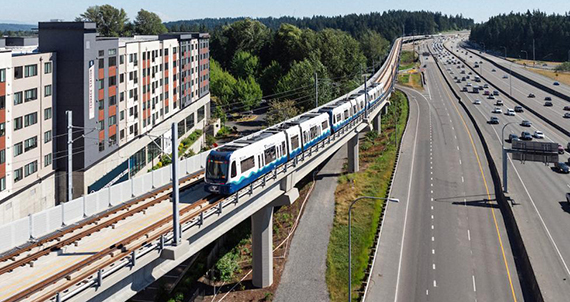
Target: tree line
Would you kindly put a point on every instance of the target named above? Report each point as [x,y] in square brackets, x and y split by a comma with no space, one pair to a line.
[113,22]
[516,32]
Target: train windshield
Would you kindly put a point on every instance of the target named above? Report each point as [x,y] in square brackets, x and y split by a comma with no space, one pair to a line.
[217,169]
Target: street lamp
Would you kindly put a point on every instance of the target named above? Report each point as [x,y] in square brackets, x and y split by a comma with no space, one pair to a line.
[505,51]
[350,241]
[505,186]
[510,78]
[526,53]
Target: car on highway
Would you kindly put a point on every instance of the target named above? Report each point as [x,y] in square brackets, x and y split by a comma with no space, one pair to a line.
[561,168]
[463,79]
[499,103]
[477,102]
[531,95]
[538,134]
[486,85]
[513,138]
[505,76]
[567,108]
[525,136]
[464,89]
[495,92]
[497,110]
[486,92]
[493,120]
[491,97]
[493,70]
[566,115]
[519,109]
[463,72]
[526,123]
[468,84]
[560,149]
[548,104]
[556,83]
[547,98]
[458,81]
[510,112]
[568,197]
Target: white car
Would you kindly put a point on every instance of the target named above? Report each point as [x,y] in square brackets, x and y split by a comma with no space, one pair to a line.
[477,102]
[538,134]
[510,112]
[497,110]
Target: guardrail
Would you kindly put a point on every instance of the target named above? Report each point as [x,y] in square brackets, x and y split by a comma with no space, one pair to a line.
[527,278]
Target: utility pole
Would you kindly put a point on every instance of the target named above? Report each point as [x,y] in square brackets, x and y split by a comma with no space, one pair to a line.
[175,189]
[69,156]
[533,54]
[316,90]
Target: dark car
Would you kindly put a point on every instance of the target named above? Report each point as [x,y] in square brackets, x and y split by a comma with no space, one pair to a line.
[519,109]
[548,104]
[562,168]
[493,120]
[556,83]
[531,95]
[567,108]
[513,137]
[495,92]
[525,136]
[547,98]
[526,123]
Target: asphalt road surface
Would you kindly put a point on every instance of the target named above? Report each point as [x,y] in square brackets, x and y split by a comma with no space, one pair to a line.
[445,240]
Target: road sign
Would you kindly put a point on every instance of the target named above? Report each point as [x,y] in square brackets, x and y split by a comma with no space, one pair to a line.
[535,157]
[541,147]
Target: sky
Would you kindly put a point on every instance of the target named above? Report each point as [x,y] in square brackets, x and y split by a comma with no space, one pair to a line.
[32,11]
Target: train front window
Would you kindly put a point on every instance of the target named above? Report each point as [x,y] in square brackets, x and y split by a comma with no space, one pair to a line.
[217,169]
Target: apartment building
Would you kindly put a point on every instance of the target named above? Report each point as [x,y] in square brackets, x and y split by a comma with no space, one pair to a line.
[123,93]
[27,102]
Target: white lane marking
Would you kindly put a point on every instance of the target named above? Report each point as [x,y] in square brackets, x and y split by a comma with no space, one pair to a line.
[432,227]
[432,238]
[469,235]
[432,251]
[434,283]
[474,286]
[432,207]
[462,179]
[407,203]
[432,185]
[457,147]
[432,217]
[460,161]
[431,191]
[433,266]
[432,199]
[427,292]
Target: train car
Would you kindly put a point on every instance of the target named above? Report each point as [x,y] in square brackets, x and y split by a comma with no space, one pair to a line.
[239,163]
[293,138]
[314,128]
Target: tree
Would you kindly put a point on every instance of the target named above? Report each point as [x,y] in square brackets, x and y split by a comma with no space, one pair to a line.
[270,76]
[222,84]
[110,21]
[340,53]
[244,64]
[292,44]
[148,23]
[373,46]
[298,84]
[248,93]
[280,111]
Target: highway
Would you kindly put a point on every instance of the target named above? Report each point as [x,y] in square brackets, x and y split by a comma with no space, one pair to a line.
[445,240]
[536,191]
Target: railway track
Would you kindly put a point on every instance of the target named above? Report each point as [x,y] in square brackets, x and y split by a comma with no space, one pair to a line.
[86,268]
[73,234]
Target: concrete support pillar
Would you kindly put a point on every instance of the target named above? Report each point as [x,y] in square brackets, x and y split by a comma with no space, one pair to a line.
[262,243]
[377,123]
[353,154]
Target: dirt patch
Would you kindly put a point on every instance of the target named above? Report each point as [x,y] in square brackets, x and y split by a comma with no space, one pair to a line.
[562,77]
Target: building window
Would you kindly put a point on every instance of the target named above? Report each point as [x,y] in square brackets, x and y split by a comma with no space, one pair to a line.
[112,100]
[101,63]
[30,143]
[30,119]
[2,102]
[101,125]
[112,120]
[100,84]
[2,129]
[101,53]
[47,67]
[18,175]
[112,140]
[47,113]
[112,61]
[30,94]
[18,149]
[2,75]
[122,78]
[47,90]
[31,168]
[101,146]
[18,98]
[190,121]
[201,112]
[122,96]
[47,160]
[123,134]
[101,104]
[18,72]
[2,183]
[122,115]
[2,156]
[18,123]
[47,136]
[31,70]
[121,59]
[112,81]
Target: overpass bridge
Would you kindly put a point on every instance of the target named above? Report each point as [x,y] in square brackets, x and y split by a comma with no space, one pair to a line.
[108,245]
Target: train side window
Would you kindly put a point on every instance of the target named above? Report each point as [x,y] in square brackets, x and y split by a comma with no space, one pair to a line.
[314,131]
[234,169]
[283,148]
[346,114]
[338,118]
[325,125]
[247,164]
[294,142]
[270,154]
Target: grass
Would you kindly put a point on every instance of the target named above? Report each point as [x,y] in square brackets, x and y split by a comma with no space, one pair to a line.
[413,80]
[377,157]
[562,77]
[408,59]
[531,62]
